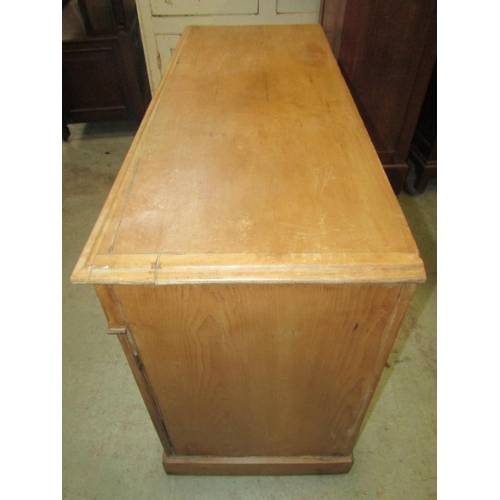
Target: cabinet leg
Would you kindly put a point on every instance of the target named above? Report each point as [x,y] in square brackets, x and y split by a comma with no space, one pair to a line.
[424,175]
[65,131]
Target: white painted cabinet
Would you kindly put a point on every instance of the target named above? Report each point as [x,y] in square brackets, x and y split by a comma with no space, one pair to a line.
[203,7]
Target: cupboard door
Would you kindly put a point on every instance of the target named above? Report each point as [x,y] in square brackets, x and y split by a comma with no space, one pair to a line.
[263,370]
[203,7]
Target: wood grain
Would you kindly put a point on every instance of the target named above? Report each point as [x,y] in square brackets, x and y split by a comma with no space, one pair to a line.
[252,258]
[263,370]
[252,147]
[117,326]
[256,465]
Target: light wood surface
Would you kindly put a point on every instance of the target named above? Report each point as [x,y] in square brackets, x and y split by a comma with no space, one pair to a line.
[256,465]
[263,370]
[252,163]
[252,258]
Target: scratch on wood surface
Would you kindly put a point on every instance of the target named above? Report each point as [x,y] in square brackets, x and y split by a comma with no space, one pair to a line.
[327,177]
[316,183]
[274,221]
[156,266]
[216,91]
[112,246]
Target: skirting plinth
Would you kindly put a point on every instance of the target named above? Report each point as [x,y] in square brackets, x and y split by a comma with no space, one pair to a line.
[255,466]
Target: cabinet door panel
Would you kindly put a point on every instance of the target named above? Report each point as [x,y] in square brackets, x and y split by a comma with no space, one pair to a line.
[92,81]
[386,50]
[263,370]
[383,43]
[203,7]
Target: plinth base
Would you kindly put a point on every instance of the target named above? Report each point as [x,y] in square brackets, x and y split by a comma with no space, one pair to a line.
[255,466]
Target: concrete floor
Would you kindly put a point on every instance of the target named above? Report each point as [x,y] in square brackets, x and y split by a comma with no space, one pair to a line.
[110,449]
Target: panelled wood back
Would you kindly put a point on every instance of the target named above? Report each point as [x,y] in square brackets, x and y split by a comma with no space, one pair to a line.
[103,68]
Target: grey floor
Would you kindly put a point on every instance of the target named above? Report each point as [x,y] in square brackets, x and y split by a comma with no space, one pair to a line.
[110,449]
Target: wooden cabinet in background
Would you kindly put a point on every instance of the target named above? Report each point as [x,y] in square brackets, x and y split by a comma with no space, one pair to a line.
[104,73]
[252,258]
[423,151]
[386,50]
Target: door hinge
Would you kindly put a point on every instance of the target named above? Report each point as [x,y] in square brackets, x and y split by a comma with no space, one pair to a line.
[124,331]
[117,331]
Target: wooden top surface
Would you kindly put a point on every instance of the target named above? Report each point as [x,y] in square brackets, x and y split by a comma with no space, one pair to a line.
[251,164]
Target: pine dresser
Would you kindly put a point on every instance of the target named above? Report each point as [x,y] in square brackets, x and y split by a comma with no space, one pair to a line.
[252,258]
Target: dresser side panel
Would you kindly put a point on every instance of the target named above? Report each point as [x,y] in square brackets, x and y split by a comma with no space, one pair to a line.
[263,370]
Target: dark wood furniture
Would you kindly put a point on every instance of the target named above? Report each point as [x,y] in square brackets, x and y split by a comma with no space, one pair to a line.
[103,68]
[386,50]
[423,151]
